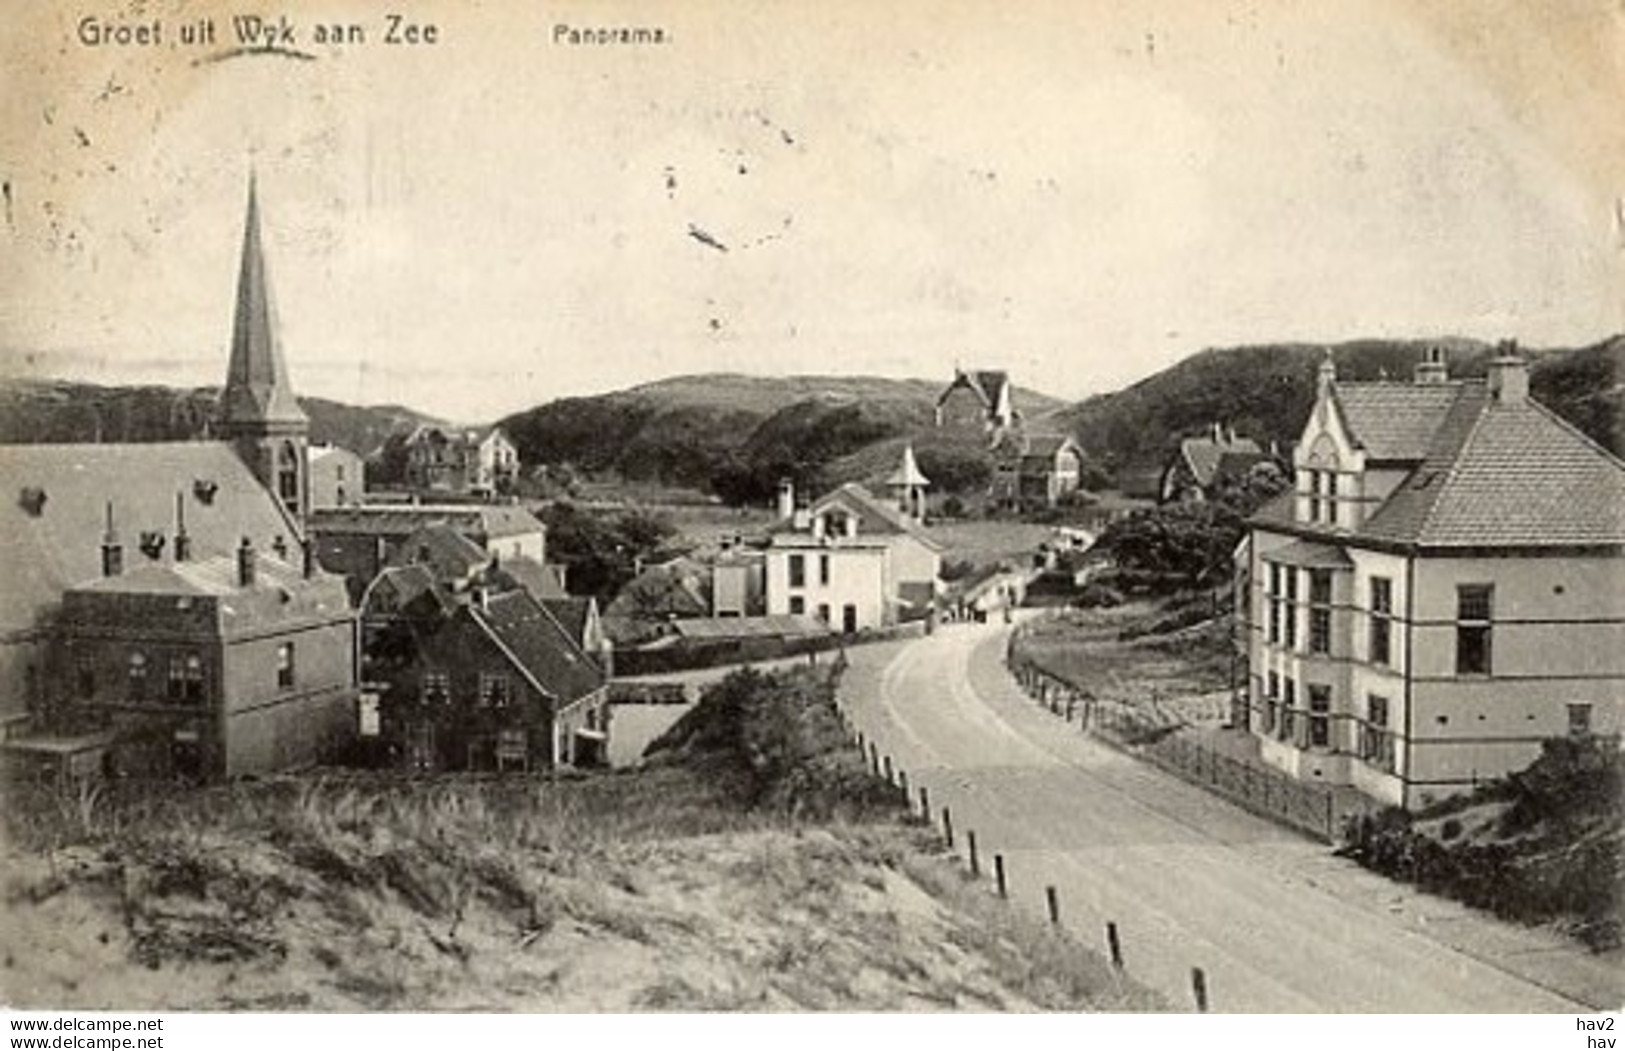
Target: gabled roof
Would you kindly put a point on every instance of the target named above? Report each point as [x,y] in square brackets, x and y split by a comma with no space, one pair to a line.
[1202,455]
[875,516]
[1510,474]
[572,614]
[1394,421]
[449,554]
[1490,473]
[43,554]
[543,581]
[538,647]
[986,384]
[1048,445]
[396,588]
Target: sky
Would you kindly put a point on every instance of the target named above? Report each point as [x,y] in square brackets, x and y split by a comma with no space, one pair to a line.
[1082,193]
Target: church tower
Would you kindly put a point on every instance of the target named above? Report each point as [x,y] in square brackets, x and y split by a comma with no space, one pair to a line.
[259,414]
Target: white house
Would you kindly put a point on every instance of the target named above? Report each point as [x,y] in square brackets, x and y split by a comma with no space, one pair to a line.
[1441,591]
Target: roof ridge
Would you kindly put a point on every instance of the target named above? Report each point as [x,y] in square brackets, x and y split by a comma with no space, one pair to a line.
[1451,469]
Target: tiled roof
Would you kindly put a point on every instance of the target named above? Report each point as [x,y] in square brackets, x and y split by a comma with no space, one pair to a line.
[491,521]
[1394,421]
[448,553]
[539,646]
[1490,474]
[280,592]
[541,580]
[1203,455]
[875,516]
[1507,475]
[572,614]
[41,555]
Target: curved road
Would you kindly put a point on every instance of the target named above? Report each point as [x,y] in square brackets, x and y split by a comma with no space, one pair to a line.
[1276,923]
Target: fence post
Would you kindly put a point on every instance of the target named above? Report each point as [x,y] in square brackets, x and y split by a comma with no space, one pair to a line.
[1054,902]
[925,804]
[902,782]
[998,875]
[975,863]
[948,827]
[1329,804]
[1114,946]
[1199,988]
[886,765]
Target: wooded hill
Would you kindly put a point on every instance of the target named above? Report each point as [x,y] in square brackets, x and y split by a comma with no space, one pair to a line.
[65,411]
[1265,392]
[736,435]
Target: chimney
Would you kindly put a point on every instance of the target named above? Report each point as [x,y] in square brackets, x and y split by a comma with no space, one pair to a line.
[1508,376]
[801,518]
[1432,368]
[183,543]
[112,550]
[787,498]
[247,564]
[480,595]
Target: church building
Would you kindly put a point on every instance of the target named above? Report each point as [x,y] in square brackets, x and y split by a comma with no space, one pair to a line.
[166,591]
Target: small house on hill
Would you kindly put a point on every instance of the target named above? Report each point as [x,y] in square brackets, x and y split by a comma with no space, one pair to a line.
[1036,470]
[978,400]
[1204,463]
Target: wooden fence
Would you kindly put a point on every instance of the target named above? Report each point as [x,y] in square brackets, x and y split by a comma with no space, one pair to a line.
[1154,735]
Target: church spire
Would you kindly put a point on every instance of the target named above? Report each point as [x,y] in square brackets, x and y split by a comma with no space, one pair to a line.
[258,399]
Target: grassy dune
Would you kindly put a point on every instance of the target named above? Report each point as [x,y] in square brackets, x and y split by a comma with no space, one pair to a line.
[752,866]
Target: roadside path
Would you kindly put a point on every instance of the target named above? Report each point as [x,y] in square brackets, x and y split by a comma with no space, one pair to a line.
[1275,921]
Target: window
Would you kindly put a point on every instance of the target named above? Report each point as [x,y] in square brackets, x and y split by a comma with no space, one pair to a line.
[1474,606]
[494,691]
[1291,609]
[1314,496]
[823,569]
[138,677]
[1275,592]
[1579,720]
[798,605]
[1320,611]
[1376,742]
[798,571]
[436,688]
[1381,626]
[186,678]
[1271,699]
[1320,721]
[823,612]
[284,666]
[1289,697]
[1331,497]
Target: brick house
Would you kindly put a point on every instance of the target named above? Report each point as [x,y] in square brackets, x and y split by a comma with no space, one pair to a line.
[219,668]
[1441,591]
[495,682]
